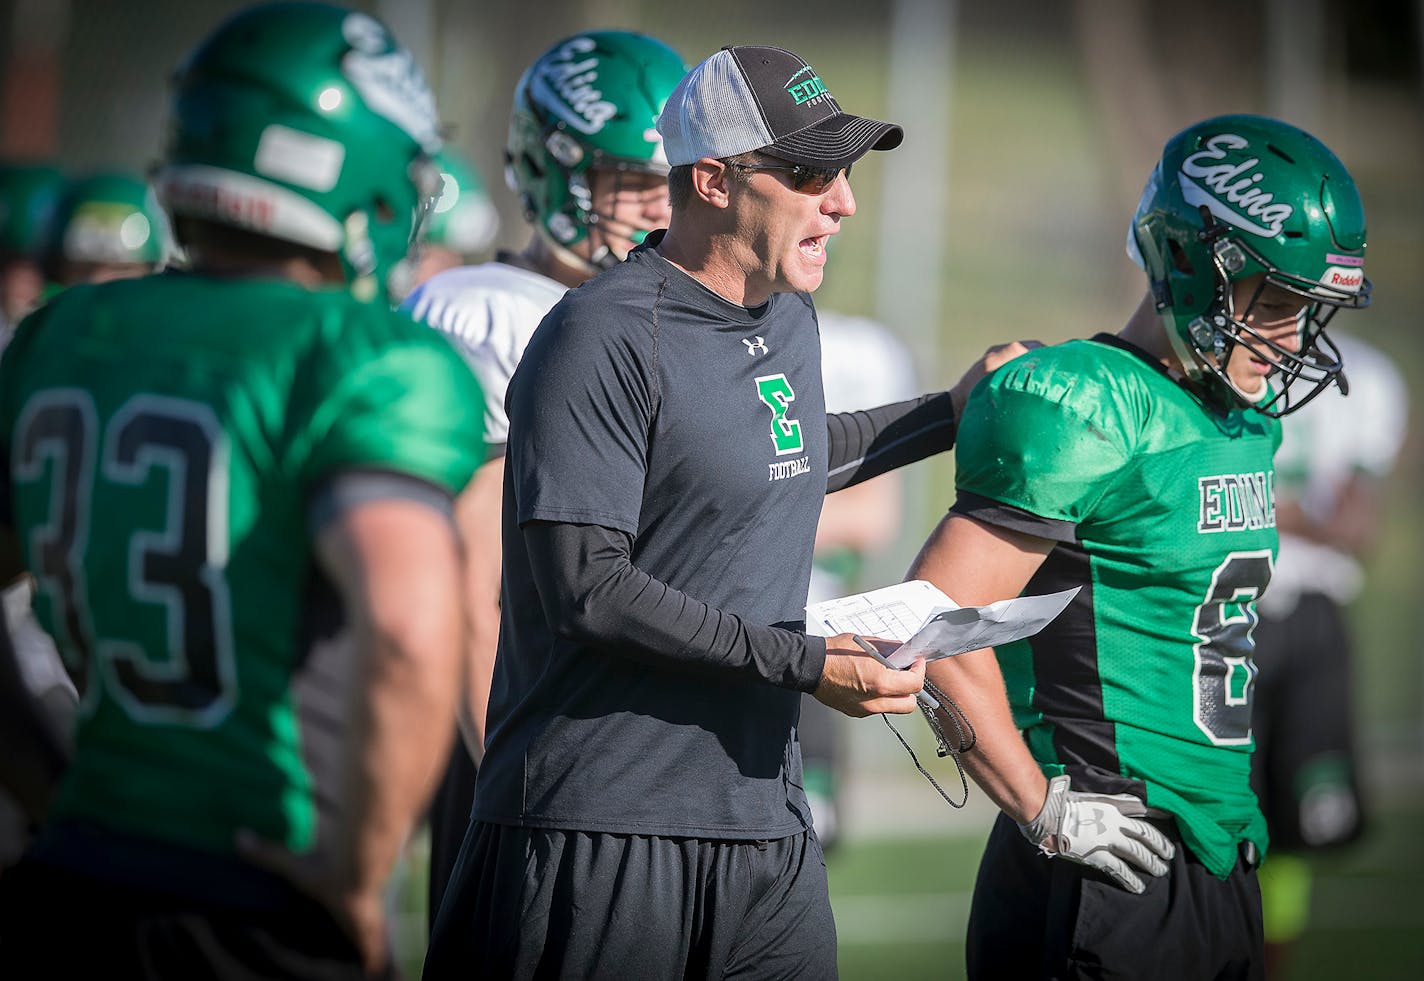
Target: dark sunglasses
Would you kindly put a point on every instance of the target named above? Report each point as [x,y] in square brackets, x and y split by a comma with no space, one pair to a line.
[807,180]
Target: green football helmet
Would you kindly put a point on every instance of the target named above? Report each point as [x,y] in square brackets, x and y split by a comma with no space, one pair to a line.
[107,219]
[590,102]
[307,123]
[1237,196]
[463,218]
[28,193]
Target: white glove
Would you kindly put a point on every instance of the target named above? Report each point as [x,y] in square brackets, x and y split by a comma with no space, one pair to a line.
[1101,830]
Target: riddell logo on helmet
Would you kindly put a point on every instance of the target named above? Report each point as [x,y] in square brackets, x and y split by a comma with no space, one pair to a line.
[568,84]
[1345,280]
[1229,190]
[220,203]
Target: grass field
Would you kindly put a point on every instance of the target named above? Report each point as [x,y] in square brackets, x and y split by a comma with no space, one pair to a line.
[901,905]
[901,900]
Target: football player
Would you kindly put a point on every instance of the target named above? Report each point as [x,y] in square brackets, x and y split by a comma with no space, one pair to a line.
[234,487]
[586,160]
[1138,466]
[27,197]
[104,227]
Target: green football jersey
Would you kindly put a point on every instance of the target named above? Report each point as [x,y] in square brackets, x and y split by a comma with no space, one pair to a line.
[1163,510]
[165,438]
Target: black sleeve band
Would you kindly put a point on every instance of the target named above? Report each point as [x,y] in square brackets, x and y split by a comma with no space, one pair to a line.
[870,442]
[350,488]
[592,592]
[1000,515]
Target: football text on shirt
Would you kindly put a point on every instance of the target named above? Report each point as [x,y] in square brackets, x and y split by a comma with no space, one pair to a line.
[791,468]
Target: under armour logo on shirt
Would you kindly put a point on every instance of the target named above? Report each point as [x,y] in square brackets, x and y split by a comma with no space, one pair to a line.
[755,345]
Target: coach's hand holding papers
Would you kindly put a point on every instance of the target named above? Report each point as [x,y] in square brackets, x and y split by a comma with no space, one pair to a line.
[931,625]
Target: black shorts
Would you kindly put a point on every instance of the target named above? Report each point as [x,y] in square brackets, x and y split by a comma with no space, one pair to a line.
[527,902]
[1040,917]
[57,923]
[1304,770]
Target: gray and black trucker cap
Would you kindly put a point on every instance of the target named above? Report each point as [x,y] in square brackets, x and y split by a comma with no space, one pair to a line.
[752,97]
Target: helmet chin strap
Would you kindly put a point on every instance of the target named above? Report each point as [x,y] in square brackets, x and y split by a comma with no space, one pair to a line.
[597,226]
[1259,396]
[603,225]
[1186,355]
[1212,374]
[602,257]
[1210,379]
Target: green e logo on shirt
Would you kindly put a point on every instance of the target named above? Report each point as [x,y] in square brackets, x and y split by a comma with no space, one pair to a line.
[775,391]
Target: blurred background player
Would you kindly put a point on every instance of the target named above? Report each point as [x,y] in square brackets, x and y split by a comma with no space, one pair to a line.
[459,230]
[234,487]
[97,229]
[27,197]
[592,179]
[1330,473]
[863,365]
[105,227]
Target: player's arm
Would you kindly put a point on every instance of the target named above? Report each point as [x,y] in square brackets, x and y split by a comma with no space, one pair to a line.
[396,566]
[976,563]
[592,592]
[477,514]
[869,442]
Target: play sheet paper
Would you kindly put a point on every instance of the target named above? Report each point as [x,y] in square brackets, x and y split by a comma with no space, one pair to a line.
[931,625]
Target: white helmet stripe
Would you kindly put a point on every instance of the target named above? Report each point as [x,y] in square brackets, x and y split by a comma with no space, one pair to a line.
[230,198]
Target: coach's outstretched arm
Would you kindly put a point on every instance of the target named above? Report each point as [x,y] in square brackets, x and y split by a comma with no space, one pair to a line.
[869,442]
[976,563]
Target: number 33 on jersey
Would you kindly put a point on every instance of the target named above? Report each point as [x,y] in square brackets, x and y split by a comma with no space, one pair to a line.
[164,440]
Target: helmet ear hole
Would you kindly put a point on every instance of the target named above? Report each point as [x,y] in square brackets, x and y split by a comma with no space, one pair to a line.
[1180,259]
